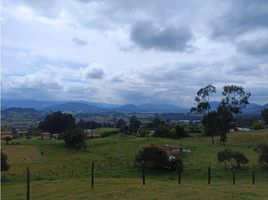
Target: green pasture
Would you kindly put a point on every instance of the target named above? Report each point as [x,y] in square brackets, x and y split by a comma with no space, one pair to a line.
[61,173]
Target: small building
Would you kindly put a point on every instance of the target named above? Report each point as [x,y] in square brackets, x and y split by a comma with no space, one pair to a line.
[92,134]
[88,131]
[151,133]
[6,137]
[173,151]
[46,135]
[55,136]
[20,129]
[240,129]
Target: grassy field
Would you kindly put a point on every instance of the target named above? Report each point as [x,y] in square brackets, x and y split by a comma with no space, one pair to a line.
[61,173]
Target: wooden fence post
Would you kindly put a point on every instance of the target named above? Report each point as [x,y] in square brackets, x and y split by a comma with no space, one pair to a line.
[209,174]
[233,177]
[143,174]
[179,174]
[253,177]
[28,183]
[92,175]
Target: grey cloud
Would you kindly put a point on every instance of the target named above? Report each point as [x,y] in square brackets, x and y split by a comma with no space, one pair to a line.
[139,96]
[95,73]
[258,47]
[242,16]
[148,35]
[79,41]
[244,69]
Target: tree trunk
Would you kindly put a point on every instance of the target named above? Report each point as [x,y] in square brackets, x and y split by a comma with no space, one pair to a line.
[212,137]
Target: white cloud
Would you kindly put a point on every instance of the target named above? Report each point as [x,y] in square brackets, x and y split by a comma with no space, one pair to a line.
[85,50]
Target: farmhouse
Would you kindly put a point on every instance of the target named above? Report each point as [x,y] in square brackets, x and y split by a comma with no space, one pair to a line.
[20,129]
[88,131]
[239,129]
[173,151]
[6,136]
[46,135]
[91,134]
[55,135]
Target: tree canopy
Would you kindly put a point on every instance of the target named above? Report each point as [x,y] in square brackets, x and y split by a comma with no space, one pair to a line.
[57,122]
[235,158]
[264,114]
[219,121]
[263,154]
[75,138]
[4,165]
[134,124]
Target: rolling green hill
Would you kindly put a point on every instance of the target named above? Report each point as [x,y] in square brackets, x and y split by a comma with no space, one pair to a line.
[60,173]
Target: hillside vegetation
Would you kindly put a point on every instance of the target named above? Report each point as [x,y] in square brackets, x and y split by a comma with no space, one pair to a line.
[58,172]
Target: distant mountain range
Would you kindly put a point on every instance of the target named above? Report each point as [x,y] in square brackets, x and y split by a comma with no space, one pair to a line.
[84,106]
[93,107]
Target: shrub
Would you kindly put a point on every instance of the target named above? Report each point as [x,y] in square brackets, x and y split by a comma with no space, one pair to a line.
[75,138]
[232,156]
[263,154]
[4,165]
[257,125]
[264,114]
[108,133]
[156,158]
[153,157]
[180,131]
[162,132]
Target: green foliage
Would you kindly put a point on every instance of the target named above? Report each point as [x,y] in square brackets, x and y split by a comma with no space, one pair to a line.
[156,123]
[75,138]
[221,120]
[4,165]
[91,124]
[257,125]
[262,149]
[180,131]
[134,124]
[211,123]
[226,119]
[57,122]
[162,131]
[235,98]
[108,133]
[119,181]
[202,99]
[264,114]
[153,158]
[120,123]
[232,156]
[156,158]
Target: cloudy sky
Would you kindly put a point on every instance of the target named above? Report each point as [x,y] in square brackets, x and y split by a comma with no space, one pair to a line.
[131,51]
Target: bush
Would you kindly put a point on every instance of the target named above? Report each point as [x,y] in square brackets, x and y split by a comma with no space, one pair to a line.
[162,132]
[264,114]
[257,125]
[180,131]
[153,157]
[75,138]
[263,154]
[108,133]
[232,156]
[4,165]
[156,158]
[28,137]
